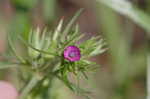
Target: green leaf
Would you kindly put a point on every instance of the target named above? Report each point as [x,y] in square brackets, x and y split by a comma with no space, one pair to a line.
[72,86]
[43,41]
[85,75]
[69,25]
[41,51]
[58,30]
[99,48]
[36,38]
[12,46]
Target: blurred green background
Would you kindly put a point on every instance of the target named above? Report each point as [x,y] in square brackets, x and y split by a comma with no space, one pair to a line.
[125,25]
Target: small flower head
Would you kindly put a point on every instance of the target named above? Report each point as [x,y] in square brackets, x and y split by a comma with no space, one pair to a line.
[72,53]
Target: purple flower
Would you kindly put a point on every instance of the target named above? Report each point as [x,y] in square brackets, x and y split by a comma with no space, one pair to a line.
[72,53]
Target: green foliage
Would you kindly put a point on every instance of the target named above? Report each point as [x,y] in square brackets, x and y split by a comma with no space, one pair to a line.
[120,38]
[44,59]
[24,4]
[126,8]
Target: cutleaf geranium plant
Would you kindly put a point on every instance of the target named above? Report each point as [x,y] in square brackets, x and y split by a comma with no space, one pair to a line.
[50,55]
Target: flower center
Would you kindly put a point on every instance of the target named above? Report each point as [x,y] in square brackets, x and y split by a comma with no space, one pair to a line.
[72,54]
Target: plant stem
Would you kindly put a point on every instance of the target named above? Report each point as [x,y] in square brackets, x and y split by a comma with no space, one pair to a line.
[32,83]
[47,93]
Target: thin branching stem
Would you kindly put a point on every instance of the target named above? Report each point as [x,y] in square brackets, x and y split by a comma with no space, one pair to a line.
[30,85]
